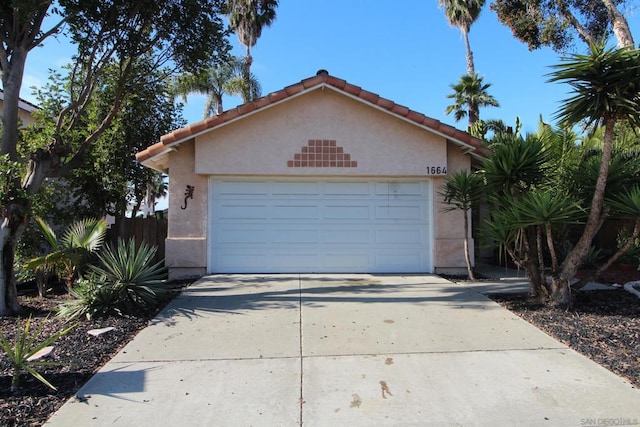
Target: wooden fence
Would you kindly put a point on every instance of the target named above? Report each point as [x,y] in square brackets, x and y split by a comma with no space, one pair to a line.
[152,231]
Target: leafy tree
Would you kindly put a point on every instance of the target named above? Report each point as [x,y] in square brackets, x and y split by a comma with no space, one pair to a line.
[469,95]
[462,14]
[606,90]
[215,82]
[462,191]
[109,35]
[555,23]
[248,18]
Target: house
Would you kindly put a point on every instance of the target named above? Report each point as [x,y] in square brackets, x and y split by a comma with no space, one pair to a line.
[25,110]
[321,176]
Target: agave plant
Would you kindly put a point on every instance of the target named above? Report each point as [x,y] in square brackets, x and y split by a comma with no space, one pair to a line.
[20,354]
[125,281]
[69,253]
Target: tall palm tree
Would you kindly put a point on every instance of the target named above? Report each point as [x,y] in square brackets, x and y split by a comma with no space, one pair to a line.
[462,14]
[215,82]
[606,90]
[469,95]
[247,18]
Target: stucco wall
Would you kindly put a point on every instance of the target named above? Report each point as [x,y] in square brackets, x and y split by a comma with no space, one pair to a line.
[449,226]
[267,143]
[186,248]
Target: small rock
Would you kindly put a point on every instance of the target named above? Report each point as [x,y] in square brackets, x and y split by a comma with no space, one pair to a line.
[98,332]
[42,353]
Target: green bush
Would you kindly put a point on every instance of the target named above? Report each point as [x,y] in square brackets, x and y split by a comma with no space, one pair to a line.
[125,282]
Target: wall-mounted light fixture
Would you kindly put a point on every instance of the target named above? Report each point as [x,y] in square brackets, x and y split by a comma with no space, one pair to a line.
[188,194]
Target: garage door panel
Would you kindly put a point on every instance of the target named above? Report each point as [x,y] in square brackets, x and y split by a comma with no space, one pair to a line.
[292,235]
[295,211]
[347,261]
[238,211]
[243,188]
[394,189]
[348,188]
[242,235]
[295,188]
[400,236]
[327,225]
[347,235]
[403,213]
[396,260]
[347,212]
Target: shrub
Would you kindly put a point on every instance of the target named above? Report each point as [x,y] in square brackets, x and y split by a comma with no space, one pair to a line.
[125,282]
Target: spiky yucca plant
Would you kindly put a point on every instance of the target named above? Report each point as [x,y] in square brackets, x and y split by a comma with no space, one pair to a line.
[125,281]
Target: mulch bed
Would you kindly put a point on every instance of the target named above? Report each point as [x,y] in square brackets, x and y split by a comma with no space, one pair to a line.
[603,325]
[79,353]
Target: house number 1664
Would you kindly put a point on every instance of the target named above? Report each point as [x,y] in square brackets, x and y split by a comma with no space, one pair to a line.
[437,170]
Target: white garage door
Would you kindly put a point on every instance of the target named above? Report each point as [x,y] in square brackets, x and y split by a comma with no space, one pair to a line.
[323,226]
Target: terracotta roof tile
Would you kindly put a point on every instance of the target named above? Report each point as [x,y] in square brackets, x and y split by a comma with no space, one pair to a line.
[213,121]
[278,96]
[293,89]
[261,102]
[168,138]
[245,108]
[312,81]
[429,122]
[369,96]
[400,109]
[198,127]
[415,116]
[386,103]
[335,82]
[352,89]
[322,78]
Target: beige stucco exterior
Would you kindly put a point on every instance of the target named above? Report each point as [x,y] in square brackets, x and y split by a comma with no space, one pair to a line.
[266,142]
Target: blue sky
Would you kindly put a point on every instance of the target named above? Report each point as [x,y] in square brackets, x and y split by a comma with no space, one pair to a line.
[404,51]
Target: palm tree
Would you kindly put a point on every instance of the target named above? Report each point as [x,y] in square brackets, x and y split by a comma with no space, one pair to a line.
[69,252]
[462,14]
[469,95]
[606,90]
[462,191]
[247,18]
[215,82]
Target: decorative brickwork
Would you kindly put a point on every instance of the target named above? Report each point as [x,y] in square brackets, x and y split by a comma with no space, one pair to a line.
[322,153]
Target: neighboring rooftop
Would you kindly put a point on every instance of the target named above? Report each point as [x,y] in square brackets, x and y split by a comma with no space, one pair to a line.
[24,105]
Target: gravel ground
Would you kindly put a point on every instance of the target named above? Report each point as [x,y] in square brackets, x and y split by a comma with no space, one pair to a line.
[603,325]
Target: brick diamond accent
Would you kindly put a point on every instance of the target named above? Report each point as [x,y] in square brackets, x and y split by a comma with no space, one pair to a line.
[322,153]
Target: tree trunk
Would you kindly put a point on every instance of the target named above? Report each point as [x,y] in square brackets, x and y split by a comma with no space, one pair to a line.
[561,295]
[12,82]
[10,230]
[470,65]
[467,256]
[535,276]
[619,24]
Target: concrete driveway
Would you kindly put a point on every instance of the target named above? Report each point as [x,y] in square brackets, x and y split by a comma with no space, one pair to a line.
[356,350]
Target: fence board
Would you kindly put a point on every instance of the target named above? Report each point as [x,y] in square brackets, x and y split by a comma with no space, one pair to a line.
[152,231]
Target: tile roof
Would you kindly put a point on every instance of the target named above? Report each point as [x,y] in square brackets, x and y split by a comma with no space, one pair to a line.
[321,79]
